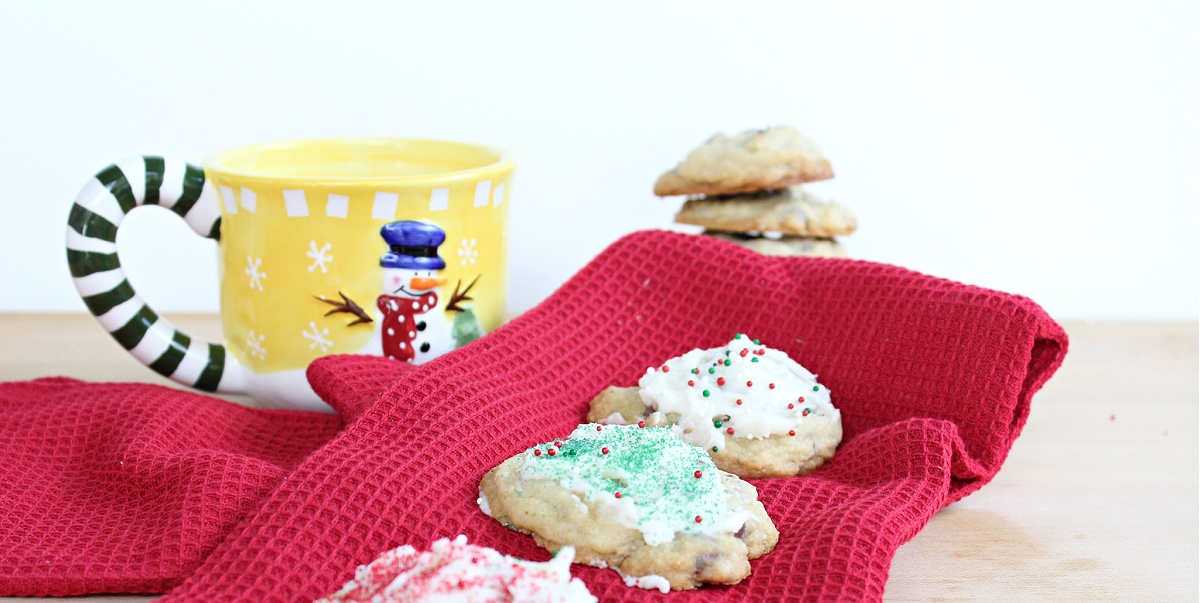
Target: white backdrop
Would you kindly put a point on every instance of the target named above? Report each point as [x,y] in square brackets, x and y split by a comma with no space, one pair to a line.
[1050,149]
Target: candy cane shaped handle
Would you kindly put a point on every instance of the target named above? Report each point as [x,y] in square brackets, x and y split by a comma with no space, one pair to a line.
[92,255]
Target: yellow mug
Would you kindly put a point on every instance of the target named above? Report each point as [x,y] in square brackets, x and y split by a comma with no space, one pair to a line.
[392,247]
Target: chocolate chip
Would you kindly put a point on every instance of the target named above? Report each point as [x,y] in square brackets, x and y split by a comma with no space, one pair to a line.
[421,326]
[703,562]
[425,347]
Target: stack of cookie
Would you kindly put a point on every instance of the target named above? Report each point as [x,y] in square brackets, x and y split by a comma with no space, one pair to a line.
[745,189]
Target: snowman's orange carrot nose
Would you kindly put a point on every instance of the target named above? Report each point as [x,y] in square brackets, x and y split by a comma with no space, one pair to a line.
[424,283]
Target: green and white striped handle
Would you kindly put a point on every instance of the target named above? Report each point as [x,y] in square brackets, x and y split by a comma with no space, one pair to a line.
[92,255]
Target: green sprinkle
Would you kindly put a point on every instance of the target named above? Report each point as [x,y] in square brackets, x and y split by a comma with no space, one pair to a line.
[711,370]
[816,388]
[755,342]
[716,423]
[705,392]
[754,359]
[714,448]
[728,362]
[737,336]
[658,470]
[726,352]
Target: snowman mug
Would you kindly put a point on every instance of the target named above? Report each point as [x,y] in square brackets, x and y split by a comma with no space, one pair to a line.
[334,246]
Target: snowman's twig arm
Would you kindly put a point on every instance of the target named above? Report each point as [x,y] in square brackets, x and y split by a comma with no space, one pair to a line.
[460,297]
[348,306]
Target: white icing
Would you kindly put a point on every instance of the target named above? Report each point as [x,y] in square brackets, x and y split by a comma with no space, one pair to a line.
[622,511]
[482,501]
[751,372]
[613,419]
[649,582]
[579,504]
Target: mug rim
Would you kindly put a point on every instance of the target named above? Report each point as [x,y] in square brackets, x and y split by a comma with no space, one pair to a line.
[217,161]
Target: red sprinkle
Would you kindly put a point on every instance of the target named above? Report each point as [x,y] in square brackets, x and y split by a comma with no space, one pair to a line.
[599,428]
[537,452]
[744,352]
[770,386]
[604,450]
[801,398]
[791,406]
[720,381]
[666,369]
[691,383]
[550,452]
[760,352]
[699,474]
[792,432]
[739,401]
[617,494]
[558,443]
[729,431]
[749,384]
[698,519]
[641,423]
[805,413]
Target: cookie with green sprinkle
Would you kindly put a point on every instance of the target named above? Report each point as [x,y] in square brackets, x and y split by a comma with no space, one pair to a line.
[637,499]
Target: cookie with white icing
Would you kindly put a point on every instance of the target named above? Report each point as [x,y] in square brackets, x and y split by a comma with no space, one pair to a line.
[789,246]
[753,409]
[754,160]
[791,211]
[636,499]
[452,570]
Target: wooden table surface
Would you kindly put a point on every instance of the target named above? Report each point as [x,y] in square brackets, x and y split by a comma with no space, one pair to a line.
[1097,501]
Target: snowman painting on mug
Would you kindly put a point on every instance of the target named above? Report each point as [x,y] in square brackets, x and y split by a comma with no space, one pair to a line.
[411,327]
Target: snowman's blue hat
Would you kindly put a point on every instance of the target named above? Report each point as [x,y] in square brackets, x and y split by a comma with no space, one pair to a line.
[413,246]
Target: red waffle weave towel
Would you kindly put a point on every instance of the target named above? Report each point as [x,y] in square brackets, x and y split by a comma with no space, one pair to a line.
[125,488]
[934,380]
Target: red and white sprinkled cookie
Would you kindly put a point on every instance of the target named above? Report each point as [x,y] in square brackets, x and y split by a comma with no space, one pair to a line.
[453,570]
[757,412]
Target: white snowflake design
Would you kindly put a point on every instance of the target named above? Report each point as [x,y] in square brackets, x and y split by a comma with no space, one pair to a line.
[319,256]
[255,272]
[467,251]
[317,336]
[254,344]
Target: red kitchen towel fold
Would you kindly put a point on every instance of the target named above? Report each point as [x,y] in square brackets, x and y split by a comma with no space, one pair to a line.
[933,378]
[125,487]
[934,381]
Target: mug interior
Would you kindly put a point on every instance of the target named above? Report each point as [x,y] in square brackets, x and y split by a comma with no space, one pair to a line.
[357,159]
